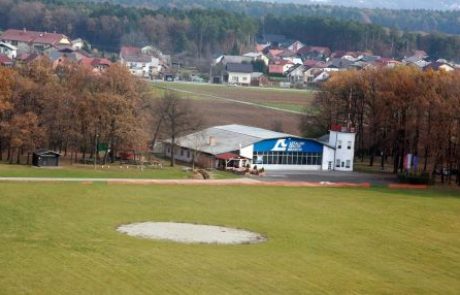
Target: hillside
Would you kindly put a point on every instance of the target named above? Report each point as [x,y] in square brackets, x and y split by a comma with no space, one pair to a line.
[389,12]
[391,4]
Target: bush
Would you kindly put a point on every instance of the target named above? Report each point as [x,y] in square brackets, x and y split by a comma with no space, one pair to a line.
[204,173]
[411,178]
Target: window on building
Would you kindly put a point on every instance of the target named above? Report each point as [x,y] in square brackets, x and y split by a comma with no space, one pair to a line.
[188,153]
[287,158]
[349,145]
[343,164]
[348,164]
[337,163]
[339,144]
[182,151]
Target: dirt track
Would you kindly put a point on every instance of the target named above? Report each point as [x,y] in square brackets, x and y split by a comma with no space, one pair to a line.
[239,181]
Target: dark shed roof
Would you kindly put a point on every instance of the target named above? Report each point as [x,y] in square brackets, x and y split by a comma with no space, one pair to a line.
[239,68]
[43,152]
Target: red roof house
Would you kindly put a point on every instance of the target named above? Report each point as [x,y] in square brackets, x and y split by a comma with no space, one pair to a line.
[16,37]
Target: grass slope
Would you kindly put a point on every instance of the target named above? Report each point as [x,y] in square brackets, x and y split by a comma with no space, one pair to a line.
[114,171]
[61,239]
[82,171]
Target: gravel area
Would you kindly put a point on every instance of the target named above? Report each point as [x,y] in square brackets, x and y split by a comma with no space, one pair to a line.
[190,233]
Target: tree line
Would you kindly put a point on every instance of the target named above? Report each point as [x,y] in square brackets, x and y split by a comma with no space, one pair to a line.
[395,112]
[426,20]
[70,109]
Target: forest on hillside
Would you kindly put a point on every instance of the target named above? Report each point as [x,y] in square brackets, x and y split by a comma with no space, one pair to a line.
[107,27]
[446,21]
[199,33]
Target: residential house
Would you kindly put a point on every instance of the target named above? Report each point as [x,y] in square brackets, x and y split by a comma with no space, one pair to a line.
[261,47]
[369,58]
[296,74]
[314,52]
[279,68]
[239,74]
[235,59]
[386,63]
[78,44]
[96,65]
[255,56]
[31,41]
[340,64]
[8,50]
[295,47]
[218,72]
[259,79]
[139,64]
[310,63]
[275,40]
[439,66]
[416,61]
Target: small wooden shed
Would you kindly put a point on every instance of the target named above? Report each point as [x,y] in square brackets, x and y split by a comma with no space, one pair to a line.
[45,158]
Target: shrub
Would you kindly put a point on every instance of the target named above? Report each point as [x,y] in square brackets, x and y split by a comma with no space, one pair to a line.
[204,173]
[413,178]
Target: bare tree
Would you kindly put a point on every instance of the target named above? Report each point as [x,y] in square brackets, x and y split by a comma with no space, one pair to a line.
[178,118]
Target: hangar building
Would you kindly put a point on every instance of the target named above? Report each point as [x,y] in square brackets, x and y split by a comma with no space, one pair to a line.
[235,146]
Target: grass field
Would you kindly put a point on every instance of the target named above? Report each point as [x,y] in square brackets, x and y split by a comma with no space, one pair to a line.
[61,239]
[254,106]
[88,171]
[287,99]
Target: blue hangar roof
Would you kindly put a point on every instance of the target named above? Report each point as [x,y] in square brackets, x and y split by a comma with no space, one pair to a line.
[228,138]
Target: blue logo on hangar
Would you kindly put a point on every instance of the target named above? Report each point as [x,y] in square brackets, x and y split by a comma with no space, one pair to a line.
[288,145]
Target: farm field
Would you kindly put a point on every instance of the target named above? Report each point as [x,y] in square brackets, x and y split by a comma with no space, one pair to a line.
[260,107]
[62,239]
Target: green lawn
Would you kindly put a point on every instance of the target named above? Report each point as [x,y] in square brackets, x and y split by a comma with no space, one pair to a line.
[61,239]
[88,171]
[114,171]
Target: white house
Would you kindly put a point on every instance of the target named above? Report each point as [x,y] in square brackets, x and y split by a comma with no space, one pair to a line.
[343,139]
[139,64]
[239,74]
[78,44]
[239,145]
[8,50]
[296,73]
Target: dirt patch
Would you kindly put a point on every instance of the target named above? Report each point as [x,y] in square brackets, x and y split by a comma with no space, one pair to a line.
[190,233]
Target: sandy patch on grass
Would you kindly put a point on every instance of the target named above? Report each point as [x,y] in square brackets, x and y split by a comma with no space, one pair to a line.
[190,233]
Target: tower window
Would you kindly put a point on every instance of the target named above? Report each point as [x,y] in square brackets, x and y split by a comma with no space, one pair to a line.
[349,145]
[339,144]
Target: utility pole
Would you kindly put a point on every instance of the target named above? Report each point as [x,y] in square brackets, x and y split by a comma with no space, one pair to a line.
[95,149]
